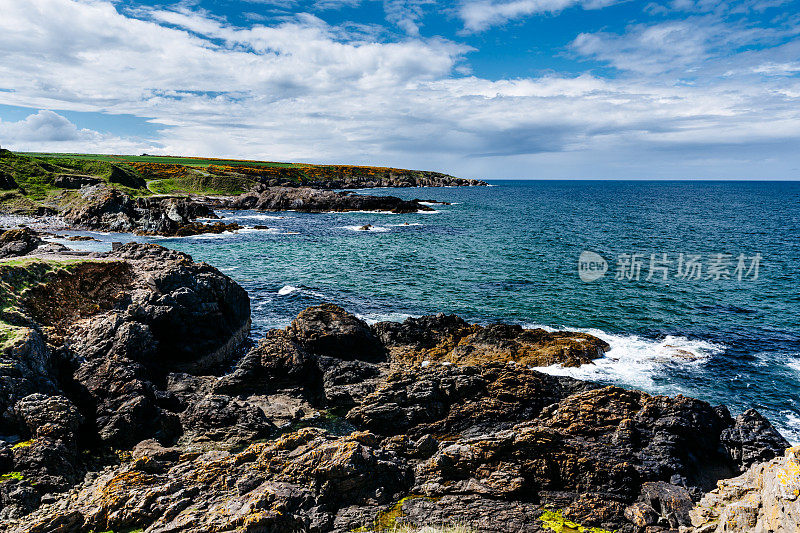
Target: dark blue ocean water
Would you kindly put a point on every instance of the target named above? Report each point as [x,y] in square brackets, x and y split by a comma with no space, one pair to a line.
[510,253]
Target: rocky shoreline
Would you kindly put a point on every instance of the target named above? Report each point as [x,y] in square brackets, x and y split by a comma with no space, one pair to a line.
[310,200]
[117,197]
[131,398]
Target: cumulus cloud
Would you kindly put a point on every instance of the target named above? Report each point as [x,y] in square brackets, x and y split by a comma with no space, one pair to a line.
[49,131]
[302,89]
[44,126]
[479,15]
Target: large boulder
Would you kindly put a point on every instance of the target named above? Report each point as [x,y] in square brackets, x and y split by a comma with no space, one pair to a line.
[330,330]
[89,345]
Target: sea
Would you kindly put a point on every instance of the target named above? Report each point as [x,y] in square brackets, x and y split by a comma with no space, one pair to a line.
[695,285]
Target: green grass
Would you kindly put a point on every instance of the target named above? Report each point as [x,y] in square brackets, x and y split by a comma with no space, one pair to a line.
[197,184]
[17,276]
[12,475]
[172,160]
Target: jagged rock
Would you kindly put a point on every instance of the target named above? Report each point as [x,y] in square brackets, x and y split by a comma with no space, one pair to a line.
[123,402]
[310,200]
[18,242]
[449,400]
[54,417]
[72,181]
[432,420]
[27,368]
[106,209]
[671,502]
[113,328]
[222,418]
[330,330]
[296,482]
[451,339]
[765,499]
[197,316]
[752,439]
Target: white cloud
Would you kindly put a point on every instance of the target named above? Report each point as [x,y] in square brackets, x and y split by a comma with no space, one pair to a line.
[305,90]
[479,15]
[49,131]
[44,126]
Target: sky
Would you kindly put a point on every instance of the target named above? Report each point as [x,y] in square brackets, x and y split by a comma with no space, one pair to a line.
[549,89]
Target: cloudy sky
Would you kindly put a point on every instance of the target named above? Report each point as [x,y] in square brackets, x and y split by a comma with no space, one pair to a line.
[477,88]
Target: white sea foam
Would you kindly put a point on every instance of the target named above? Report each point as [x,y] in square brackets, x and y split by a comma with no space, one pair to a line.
[372,318]
[376,229]
[223,235]
[286,290]
[794,364]
[259,217]
[635,361]
[361,213]
[257,230]
[789,427]
[406,224]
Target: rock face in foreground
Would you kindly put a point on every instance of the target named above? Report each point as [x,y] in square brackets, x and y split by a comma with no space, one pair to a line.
[765,499]
[311,200]
[106,209]
[335,425]
[85,345]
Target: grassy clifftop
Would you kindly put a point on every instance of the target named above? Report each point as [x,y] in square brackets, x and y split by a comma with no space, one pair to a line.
[33,181]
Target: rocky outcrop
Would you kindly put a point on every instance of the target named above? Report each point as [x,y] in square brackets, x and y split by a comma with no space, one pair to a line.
[765,499]
[75,181]
[106,209]
[87,347]
[18,242]
[333,425]
[126,178]
[443,338]
[337,176]
[312,200]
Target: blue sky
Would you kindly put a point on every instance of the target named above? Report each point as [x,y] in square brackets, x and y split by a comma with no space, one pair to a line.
[479,88]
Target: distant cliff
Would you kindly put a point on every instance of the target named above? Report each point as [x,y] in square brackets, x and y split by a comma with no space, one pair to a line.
[344,176]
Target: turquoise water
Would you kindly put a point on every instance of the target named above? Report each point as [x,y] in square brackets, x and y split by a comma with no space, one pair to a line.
[510,253]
